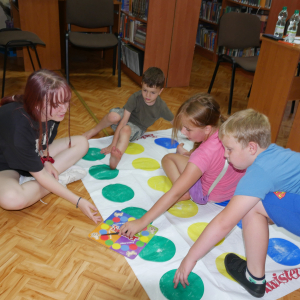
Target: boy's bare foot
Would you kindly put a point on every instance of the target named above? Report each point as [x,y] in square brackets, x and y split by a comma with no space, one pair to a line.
[115,157]
[89,134]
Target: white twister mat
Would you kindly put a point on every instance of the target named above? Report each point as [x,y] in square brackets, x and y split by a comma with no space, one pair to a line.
[137,184]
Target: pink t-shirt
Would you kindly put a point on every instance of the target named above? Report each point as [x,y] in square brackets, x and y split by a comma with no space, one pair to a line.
[209,158]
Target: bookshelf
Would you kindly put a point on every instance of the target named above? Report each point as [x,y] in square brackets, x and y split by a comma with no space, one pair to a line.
[212,52]
[170,39]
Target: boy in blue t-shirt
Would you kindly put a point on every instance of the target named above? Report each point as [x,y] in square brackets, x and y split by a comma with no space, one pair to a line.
[246,136]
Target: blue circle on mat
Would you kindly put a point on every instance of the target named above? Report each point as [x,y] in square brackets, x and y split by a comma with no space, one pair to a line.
[103,231]
[239,224]
[166,143]
[284,252]
[224,203]
[145,233]
[124,247]
[124,219]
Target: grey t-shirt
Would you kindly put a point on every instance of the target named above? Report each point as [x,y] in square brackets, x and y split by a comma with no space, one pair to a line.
[144,115]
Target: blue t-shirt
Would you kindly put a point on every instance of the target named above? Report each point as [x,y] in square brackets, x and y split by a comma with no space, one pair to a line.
[275,169]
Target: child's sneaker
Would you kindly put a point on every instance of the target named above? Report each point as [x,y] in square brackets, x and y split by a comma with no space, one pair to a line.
[72,174]
[236,268]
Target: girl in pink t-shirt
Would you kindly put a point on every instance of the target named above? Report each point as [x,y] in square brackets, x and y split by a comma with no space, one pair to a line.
[192,173]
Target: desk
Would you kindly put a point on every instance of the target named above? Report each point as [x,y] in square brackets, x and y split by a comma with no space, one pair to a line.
[46,18]
[274,84]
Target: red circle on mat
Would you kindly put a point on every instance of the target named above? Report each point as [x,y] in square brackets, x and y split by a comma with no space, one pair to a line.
[145,229]
[104,237]
[116,220]
[133,247]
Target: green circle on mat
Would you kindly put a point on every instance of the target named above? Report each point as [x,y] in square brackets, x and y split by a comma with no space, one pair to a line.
[109,222]
[159,249]
[118,192]
[140,244]
[136,212]
[94,154]
[194,291]
[103,172]
[109,242]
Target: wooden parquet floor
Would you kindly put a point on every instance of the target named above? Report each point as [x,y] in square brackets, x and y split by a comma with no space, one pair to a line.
[44,249]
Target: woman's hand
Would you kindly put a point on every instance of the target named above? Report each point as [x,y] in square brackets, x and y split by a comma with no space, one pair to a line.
[131,228]
[51,169]
[181,150]
[182,273]
[89,210]
[106,150]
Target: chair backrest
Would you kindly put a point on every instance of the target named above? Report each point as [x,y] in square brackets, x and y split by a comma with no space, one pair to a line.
[239,30]
[90,13]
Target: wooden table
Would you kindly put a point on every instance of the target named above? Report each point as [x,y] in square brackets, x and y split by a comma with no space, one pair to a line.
[274,84]
[46,18]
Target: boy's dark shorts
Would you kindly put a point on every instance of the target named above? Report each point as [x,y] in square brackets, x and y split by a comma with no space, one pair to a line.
[136,132]
[284,210]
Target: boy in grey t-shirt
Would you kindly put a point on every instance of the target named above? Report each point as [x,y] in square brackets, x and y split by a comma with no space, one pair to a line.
[142,109]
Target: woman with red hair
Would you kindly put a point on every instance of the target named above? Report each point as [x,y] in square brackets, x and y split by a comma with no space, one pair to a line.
[28,126]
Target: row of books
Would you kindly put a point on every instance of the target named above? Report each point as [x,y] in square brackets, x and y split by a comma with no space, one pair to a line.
[138,8]
[210,10]
[239,52]
[133,58]
[206,37]
[258,3]
[133,30]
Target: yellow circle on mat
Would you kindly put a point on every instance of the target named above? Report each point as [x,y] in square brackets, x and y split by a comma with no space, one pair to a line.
[104,226]
[196,229]
[221,266]
[147,164]
[131,219]
[134,148]
[116,246]
[184,209]
[144,239]
[160,183]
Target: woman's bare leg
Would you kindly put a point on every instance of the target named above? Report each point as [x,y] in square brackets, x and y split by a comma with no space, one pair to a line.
[66,157]
[174,164]
[14,196]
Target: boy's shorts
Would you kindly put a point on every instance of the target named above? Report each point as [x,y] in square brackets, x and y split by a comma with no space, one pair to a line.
[136,132]
[284,212]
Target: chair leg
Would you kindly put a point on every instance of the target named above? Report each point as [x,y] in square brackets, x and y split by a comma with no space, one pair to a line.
[249,91]
[214,76]
[114,60]
[231,89]
[293,106]
[30,58]
[4,70]
[119,62]
[67,60]
[37,57]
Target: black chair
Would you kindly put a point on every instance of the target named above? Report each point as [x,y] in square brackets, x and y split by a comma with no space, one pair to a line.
[15,38]
[237,31]
[92,14]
